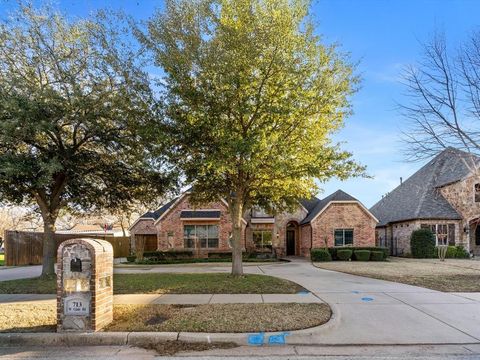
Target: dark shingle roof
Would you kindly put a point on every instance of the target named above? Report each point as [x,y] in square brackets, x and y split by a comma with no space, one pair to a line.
[338,195]
[419,197]
[309,204]
[202,214]
[157,213]
[313,206]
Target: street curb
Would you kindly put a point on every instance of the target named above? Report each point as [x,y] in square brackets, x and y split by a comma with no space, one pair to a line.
[138,338]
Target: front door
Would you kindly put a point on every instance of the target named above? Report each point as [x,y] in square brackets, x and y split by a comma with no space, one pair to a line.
[477,235]
[290,242]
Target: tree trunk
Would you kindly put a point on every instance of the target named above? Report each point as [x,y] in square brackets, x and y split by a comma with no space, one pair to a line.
[236,214]
[49,246]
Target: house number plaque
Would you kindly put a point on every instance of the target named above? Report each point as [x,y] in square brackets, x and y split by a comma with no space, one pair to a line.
[76,306]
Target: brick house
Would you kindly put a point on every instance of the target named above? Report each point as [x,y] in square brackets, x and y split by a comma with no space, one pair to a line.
[338,220]
[444,196]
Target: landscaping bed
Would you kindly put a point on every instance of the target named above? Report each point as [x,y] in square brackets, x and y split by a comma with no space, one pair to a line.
[451,275]
[196,261]
[156,283]
[348,253]
[176,318]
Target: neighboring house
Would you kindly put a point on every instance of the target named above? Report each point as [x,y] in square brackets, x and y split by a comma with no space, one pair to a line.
[95,229]
[444,196]
[337,220]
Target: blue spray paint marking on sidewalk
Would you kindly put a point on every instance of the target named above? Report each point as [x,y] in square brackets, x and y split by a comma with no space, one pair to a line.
[256,339]
[303,292]
[277,339]
[355,292]
[367,299]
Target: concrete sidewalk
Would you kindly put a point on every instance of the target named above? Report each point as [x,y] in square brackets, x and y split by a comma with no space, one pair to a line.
[183,299]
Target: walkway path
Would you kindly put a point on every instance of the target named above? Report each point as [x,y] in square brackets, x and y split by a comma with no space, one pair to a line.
[184,299]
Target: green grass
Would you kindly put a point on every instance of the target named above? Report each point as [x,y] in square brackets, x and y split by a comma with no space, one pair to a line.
[2,259]
[169,284]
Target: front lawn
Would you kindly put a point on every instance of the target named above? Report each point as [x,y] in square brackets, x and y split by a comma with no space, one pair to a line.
[451,275]
[2,259]
[175,318]
[155,283]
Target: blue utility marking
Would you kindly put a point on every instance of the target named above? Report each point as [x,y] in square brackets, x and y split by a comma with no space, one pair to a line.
[303,292]
[256,339]
[367,299]
[277,339]
[355,292]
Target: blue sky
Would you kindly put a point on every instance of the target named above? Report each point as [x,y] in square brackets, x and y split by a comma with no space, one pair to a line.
[383,36]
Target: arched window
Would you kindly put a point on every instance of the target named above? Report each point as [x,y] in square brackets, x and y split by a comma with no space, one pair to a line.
[477,192]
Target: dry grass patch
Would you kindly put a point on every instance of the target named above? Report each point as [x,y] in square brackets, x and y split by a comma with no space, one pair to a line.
[173,347]
[203,318]
[219,317]
[451,275]
[28,318]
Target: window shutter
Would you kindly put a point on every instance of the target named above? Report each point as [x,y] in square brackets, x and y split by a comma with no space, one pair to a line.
[451,234]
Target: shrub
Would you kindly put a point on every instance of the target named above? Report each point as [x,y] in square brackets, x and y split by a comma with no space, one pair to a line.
[320,255]
[383,250]
[362,255]
[376,256]
[461,253]
[344,254]
[220,255]
[454,252]
[131,258]
[165,255]
[422,244]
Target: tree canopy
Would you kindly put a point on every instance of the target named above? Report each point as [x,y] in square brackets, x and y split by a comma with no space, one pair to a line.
[76,117]
[251,98]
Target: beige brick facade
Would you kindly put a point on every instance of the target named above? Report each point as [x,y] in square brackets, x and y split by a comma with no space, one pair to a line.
[461,195]
[397,236]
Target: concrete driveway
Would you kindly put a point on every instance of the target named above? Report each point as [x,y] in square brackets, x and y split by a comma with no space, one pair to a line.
[367,311]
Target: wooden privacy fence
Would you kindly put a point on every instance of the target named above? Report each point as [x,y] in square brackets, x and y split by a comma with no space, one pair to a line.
[26,248]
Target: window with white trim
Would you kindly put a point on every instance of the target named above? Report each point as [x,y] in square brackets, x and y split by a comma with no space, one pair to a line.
[343,237]
[202,236]
[444,233]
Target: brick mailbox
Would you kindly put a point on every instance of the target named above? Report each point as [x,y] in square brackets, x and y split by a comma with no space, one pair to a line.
[84,285]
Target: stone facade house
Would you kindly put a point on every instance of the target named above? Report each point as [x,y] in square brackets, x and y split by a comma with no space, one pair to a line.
[444,196]
[337,220]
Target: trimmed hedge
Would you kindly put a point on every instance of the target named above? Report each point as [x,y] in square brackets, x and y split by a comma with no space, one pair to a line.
[168,255]
[454,252]
[362,255]
[320,255]
[131,258]
[376,255]
[422,244]
[383,250]
[344,254]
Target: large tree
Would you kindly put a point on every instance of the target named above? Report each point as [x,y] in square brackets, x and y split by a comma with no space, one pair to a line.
[251,98]
[442,103]
[76,114]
